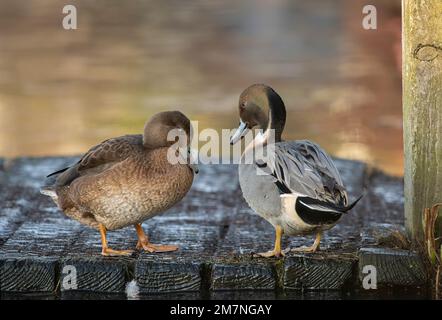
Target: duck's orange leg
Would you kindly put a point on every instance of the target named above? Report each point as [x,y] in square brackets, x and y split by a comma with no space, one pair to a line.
[105,251]
[143,242]
[276,252]
[313,248]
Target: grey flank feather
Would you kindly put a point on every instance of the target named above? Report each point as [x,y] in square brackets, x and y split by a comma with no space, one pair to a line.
[304,168]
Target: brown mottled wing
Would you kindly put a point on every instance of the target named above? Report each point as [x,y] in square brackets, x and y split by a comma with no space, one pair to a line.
[100,158]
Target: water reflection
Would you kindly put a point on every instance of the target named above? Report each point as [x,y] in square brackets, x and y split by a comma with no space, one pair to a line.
[63,91]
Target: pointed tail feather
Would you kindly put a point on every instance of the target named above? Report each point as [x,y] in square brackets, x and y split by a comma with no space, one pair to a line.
[57,172]
[350,206]
[323,206]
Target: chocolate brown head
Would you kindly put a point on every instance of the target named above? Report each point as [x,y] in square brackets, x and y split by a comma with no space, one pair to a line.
[163,126]
[260,106]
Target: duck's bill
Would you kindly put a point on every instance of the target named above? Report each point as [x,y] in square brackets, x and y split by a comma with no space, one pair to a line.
[194,168]
[187,156]
[193,159]
[239,133]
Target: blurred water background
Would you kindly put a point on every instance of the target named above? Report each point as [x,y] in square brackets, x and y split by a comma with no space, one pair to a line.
[62,91]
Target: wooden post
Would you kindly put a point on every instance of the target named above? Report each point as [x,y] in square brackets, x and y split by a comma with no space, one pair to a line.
[422,109]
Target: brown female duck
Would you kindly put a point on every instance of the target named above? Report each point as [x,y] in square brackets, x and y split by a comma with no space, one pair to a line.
[126,180]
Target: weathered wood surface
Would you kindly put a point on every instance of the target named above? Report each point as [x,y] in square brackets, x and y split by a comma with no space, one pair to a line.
[234,267]
[217,234]
[318,272]
[394,267]
[182,270]
[422,107]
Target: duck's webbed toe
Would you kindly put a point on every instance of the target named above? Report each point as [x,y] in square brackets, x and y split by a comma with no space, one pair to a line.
[108,252]
[312,249]
[270,254]
[150,247]
[144,244]
[276,252]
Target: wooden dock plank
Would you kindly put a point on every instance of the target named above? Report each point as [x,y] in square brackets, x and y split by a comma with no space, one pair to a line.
[94,272]
[24,274]
[30,257]
[384,200]
[326,272]
[31,172]
[384,234]
[394,267]
[353,174]
[182,270]
[216,231]
[234,267]
[160,276]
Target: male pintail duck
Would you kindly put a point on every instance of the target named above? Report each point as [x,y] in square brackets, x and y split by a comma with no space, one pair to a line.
[298,188]
[126,180]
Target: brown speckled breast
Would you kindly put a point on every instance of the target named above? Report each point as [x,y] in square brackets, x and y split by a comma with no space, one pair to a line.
[134,190]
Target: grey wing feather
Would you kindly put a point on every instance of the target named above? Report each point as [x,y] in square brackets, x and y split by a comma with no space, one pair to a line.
[303,167]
